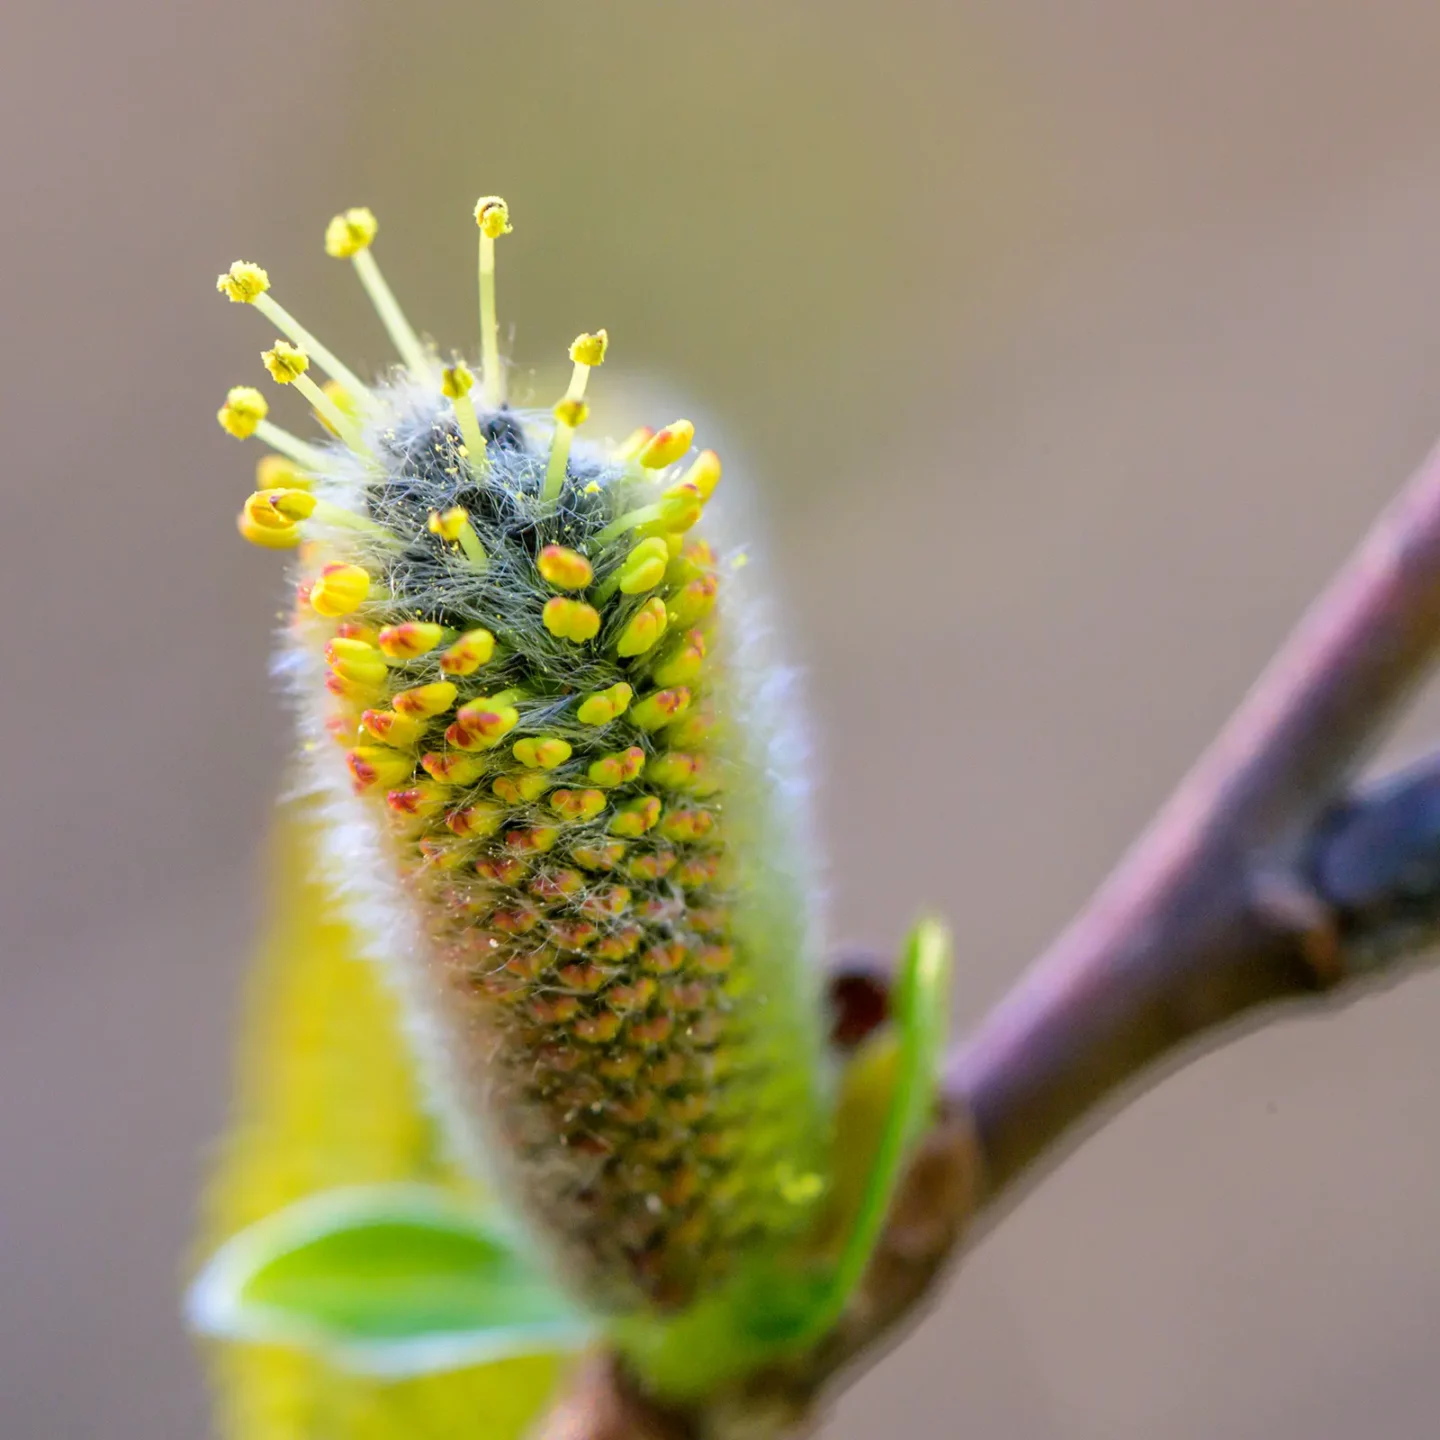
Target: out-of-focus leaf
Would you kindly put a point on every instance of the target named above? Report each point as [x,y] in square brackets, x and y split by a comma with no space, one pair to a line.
[390,1280]
[326,1096]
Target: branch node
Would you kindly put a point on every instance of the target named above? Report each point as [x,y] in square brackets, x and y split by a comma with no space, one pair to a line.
[1283,901]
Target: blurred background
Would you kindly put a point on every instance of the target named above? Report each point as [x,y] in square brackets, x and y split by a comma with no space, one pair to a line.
[1071,346]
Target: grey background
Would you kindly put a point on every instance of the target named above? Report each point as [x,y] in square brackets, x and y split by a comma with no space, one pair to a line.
[1074,343]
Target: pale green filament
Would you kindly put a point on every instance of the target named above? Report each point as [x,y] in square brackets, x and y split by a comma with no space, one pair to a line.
[490,326]
[470,429]
[340,422]
[311,457]
[392,317]
[564,434]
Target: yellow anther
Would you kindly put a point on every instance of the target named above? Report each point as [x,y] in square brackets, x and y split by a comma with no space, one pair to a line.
[541,752]
[644,628]
[682,660]
[602,856]
[666,446]
[672,770]
[448,524]
[564,568]
[617,769]
[350,232]
[577,804]
[472,650]
[476,821]
[482,723]
[695,729]
[644,567]
[278,472]
[390,727]
[704,473]
[285,362]
[426,700]
[243,283]
[636,817]
[521,789]
[375,767]
[680,507]
[454,525]
[454,767]
[572,620]
[456,380]
[589,350]
[571,413]
[420,801]
[411,639]
[535,840]
[660,708]
[492,215]
[356,660]
[264,513]
[340,590]
[601,707]
[687,825]
[242,412]
[265,534]
[695,600]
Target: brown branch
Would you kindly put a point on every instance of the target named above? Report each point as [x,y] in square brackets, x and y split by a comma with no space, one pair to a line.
[1260,882]
[1213,914]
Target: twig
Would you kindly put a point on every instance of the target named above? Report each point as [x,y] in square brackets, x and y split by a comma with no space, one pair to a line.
[1260,882]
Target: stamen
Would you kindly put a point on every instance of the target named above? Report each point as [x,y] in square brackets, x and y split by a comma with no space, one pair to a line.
[454,525]
[246,284]
[641,570]
[243,415]
[587,351]
[455,383]
[644,628]
[287,365]
[569,416]
[677,509]
[348,237]
[492,215]
[297,505]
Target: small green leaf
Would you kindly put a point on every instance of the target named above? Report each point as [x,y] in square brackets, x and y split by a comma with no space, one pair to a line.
[919,1003]
[386,1280]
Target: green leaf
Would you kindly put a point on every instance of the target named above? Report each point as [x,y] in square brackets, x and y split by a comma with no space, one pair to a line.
[384,1280]
[911,1052]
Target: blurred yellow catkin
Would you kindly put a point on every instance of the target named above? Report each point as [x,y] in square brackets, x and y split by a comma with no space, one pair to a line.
[324,1097]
